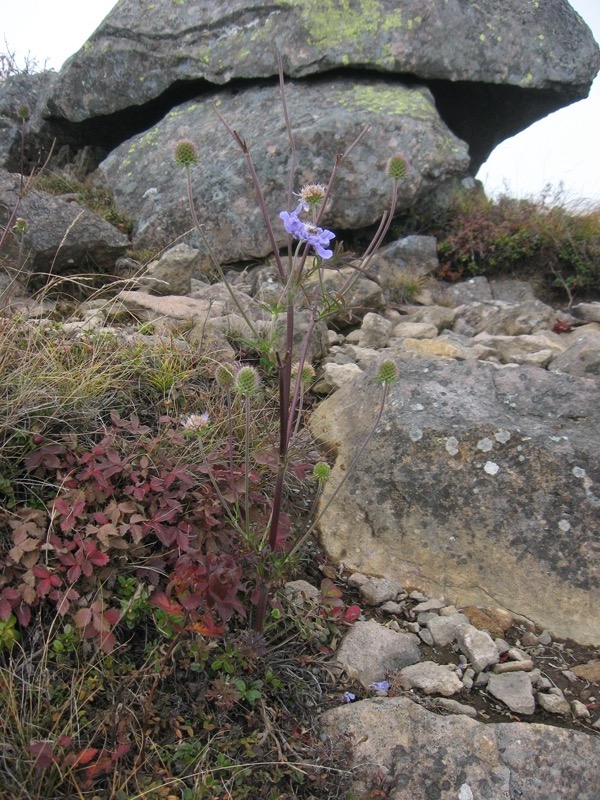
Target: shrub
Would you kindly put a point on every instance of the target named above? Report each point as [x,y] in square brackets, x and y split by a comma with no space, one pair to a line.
[544,239]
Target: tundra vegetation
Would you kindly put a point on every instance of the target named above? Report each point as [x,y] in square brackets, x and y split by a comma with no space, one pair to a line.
[154,503]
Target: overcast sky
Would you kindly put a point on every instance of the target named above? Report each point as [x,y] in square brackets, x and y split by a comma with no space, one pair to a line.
[562,148]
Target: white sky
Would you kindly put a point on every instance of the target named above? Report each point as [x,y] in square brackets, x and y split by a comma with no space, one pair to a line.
[562,148]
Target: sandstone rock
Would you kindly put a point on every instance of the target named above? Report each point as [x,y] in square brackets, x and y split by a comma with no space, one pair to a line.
[172,273]
[499,318]
[509,290]
[520,349]
[225,199]
[582,358]
[370,652]
[514,690]
[554,704]
[478,646]
[488,496]
[454,707]
[588,672]
[414,330]
[374,331]
[496,621]
[589,312]
[377,590]
[466,293]
[334,376]
[445,629]
[430,678]
[424,755]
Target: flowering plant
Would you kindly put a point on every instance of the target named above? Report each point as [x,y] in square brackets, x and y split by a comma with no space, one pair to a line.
[306,236]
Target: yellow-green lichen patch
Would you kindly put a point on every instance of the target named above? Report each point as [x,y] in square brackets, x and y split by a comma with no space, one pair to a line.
[396,101]
[341,23]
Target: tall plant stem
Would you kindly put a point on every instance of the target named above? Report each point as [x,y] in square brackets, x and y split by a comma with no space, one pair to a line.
[349,471]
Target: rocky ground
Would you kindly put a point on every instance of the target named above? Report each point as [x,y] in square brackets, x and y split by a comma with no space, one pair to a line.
[483,663]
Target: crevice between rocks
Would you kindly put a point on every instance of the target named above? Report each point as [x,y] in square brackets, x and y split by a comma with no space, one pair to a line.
[462,105]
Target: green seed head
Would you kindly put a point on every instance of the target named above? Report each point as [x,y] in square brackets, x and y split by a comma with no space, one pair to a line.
[247,381]
[308,373]
[387,372]
[185,153]
[321,471]
[397,167]
[225,376]
[23,112]
[20,225]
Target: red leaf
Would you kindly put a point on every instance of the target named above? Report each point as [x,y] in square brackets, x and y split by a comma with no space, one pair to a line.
[83,617]
[159,598]
[352,613]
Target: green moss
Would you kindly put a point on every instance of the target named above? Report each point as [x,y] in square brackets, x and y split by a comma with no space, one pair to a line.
[397,101]
[338,23]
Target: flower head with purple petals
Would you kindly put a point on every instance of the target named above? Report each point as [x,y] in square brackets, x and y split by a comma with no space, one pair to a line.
[318,238]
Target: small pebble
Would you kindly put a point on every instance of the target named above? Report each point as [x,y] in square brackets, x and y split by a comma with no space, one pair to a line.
[447,611]
[513,666]
[428,605]
[467,682]
[454,707]
[424,617]
[390,607]
[570,676]
[580,710]
[357,579]
[554,704]
[482,680]
[545,638]
[517,655]
[426,637]
[413,627]
[529,639]
[501,646]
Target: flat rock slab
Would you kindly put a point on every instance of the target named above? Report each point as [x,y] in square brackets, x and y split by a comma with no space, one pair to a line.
[153,45]
[326,117]
[423,755]
[481,485]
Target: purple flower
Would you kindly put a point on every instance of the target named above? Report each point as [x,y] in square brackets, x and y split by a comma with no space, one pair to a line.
[318,238]
[379,686]
[347,697]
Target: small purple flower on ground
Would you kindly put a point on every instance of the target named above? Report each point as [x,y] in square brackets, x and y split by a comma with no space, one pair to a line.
[379,686]
[318,238]
[347,697]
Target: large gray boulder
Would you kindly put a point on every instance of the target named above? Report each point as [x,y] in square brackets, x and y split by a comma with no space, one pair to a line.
[61,238]
[326,117]
[480,485]
[413,754]
[494,67]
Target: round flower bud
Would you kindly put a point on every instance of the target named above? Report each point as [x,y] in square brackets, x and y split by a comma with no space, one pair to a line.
[312,194]
[20,225]
[397,167]
[321,471]
[247,381]
[225,376]
[185,153]
[387,372]
[307,375]
[23,112]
